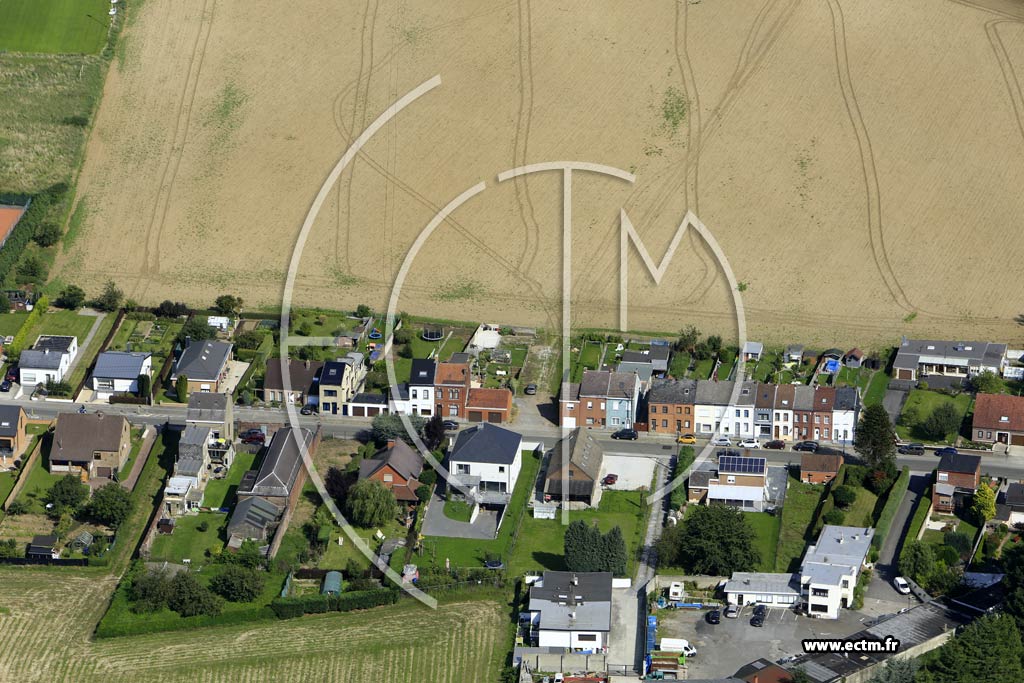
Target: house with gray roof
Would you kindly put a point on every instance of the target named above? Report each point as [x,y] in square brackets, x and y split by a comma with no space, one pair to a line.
[282,465]
[205,364]
[398,467]
[92,445]
[49,360]
[831,567]
[118,372]
[192,470]
[215,411]
[717,412]
[487,459]
[253,519]
[656,355]
[571,610]
[13,438]
[603,399]
[670,406]
[918,359]
[574,469]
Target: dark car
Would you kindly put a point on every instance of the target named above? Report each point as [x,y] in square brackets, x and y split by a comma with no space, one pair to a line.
[714,617]
[12,374]
[911,449]
[948,450]
[308,410]
[627,434]
[5,385]
[810,446]
[253,436]
[610,479]
[760,611]
[757,620]
[450,425]
[729,452]
[775,444]
[530,389]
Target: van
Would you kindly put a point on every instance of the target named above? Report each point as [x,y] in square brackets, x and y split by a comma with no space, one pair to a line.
[678,645]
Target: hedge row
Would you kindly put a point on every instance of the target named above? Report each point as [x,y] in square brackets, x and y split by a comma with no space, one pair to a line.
[677,499]
[892,504]
[35,218]
[22,336]
[129,398]
[288,608]
[924,504]
[138,624]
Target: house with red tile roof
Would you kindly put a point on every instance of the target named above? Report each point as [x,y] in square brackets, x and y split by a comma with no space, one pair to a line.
[998,418]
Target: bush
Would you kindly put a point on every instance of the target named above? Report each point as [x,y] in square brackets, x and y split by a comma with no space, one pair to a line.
[834,517]
[109,299]
[959,542]
[18,507]
[190,598]
[288,608]
[171,309]
[844,496]
[238,584]
[71,297]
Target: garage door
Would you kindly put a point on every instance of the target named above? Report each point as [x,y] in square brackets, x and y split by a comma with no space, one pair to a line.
[475,416]
[1017,439]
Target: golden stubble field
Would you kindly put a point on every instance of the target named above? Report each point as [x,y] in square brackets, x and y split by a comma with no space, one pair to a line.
[859,162]
[48,616]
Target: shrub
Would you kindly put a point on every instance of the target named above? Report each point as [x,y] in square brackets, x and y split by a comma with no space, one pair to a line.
[18,507]
[110,298]
[835,517]
[959,542]
[190,598]
[287,608]
[238,584]
[171,309]
[844,496]
[71,297]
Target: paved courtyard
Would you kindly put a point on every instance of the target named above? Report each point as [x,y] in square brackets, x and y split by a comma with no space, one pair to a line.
[633,472]
[485,526]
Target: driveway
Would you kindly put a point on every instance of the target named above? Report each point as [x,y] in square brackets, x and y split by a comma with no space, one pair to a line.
[438,524]
[623,638]
[893,403]
[881,597]
[633,472]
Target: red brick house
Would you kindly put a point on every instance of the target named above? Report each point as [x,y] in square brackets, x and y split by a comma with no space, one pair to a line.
[821,416]
[956,479]
[998,418]
[451,389]
[670,405]
[397,466]
[819,468]
[489,405]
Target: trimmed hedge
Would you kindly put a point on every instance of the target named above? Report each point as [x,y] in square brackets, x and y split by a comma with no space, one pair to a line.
[39,213]
[677,498]
[289,608]
[892,504]
[924,504]
[22,336]
[170,621]
[129,398]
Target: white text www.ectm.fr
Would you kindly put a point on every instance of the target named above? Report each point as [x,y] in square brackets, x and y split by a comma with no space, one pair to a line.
[889,644]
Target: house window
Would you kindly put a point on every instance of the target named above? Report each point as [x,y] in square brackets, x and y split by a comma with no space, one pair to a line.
[105,384]
[587,637]
[819,592]
[664,423]
[590,405]
[679,410]
[817,419]
[981,434]
[453,409]
[943,476]
[819,608]
[602,405]
[501,469]
[746,413]
[388,478]
[615,420]
[571,406]
[664,409]
[846,583]
[826,419]
[687,424]
[572,473]
[590,420]
[989,435]
[412,394]
[730,479]
[737,412]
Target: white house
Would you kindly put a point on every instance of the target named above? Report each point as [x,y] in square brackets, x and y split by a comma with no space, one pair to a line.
[715,413]
[828,575]
[759,588]
[753,350]
[49,359]
[487,458]
[845,413]
[421,387]
[117,372]
[571,610]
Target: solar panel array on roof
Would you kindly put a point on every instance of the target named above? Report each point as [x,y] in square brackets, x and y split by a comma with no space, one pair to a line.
[741,465]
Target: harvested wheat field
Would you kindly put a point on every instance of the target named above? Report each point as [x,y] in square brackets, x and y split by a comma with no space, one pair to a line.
[859,162]
[47,618]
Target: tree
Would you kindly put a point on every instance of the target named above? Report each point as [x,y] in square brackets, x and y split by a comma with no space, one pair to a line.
[71,297]
[875,439]
[247,555]
[987,382]
[67,493]
[403,336]
[614,553]
[1013,567]
[227,304]
[145,383]
[370,504]
[423,493]
[844,496]
[688,337]
[958,542]
[31,270]
[110,298]
[715,540]
[901,670]
[181,388]
[18,507]
[910,416]
[10,548]
[983,506]
[390,426]
[111,504]
[5,304]
[196,329]
[714,343]
[149,591]
[336,484]
[171,309]
[701,351]
[582,547]
[250,339]
[835,516]
[190,598]
[433,432]
[917,561]
[987,651]
[238,584]
[942,421]
[48,234]
[363,311]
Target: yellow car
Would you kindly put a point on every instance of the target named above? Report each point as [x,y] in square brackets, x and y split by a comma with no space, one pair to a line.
[687,438]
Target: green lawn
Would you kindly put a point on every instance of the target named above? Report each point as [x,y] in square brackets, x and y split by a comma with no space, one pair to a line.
[58,322]
[796,523]
[728,358]
[54,26]
[130,462]
[158,340]
[680,364]
[39,482]
[458,510]
[188,541]
[862,511]
[588,359]
[541,541]
[10,323]
[337,556]
[220,493]
[854,377]
[766,537]
[702,370]
[876,388]
[87,355]
[924,402]
[7,481]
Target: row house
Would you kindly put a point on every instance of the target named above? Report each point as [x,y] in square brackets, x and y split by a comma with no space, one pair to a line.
[715,412]
[825,413]
[670,405]
[604,398]
[451,389]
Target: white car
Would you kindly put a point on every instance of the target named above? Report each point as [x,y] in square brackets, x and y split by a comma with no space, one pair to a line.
[721,441]
[750,443]
[901,585]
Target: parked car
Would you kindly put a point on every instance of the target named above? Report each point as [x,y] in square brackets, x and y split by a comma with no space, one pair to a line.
[530,389]
[948,450]
[610,479]
[775,444]
[901,585]
[760,611]
[714,617]
[687,438]
[627,434]
[757,620]
[253,436]
[450,425]
[732,611]
[721,441]
[728,452]
[12,374]
[810,446]
[5,386]
[308,410]
[911,449]
[749,443]
[218,469]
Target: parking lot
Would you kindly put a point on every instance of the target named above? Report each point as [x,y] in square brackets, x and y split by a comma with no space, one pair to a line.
[634,471]
[725,647]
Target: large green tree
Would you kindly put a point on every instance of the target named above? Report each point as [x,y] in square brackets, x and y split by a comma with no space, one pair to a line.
[228,304]
[370,504]
[110,298]
[715,540]
[987,382]
[614,554]
[917,562]
[71,297]
[942,421]
[196,329]
[238,584]
[987,651]
[181,388]
[111,505]
[67,493]
[582,547]
[983,504]
[190,598]
[875,439]
[389,426]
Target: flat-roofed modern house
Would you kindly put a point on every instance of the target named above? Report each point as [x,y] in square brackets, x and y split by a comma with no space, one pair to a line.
[918,359]
[91,445]
[49,360]
[13,439]
[831,567]
[740,483]
[117,372]
[204,364]
[763,588]
[998,418]
[487,460]
[571,610]
[574,470]
[421,387]
[956,479]
[215,411]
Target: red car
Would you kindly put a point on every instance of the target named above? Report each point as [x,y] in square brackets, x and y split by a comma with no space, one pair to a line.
[254,436]
[610,479]
[12,374]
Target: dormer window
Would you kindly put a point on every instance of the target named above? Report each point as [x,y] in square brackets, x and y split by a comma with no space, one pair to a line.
[1004,418]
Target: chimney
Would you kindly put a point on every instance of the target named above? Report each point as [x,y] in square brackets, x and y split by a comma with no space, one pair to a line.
[755,678]
[391,444]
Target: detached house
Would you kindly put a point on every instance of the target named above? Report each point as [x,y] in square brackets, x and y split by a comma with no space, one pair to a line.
[574,470]
[571,610]
[118,372]
[184,491]
[92,445]
[918,359]
[998,418]
[49,360]
[13,439]
[204,364]
[487,458]
[740,483]
[831,567]
[281,473]
[398,467]
[752,350]
[956,479]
